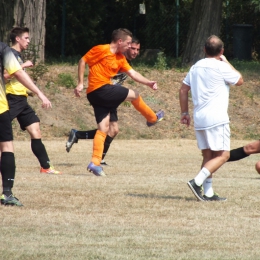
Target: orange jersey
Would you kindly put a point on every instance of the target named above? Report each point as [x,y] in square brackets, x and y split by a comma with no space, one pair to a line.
[103,65]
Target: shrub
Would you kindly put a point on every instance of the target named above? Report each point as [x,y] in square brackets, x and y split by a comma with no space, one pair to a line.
[66,80]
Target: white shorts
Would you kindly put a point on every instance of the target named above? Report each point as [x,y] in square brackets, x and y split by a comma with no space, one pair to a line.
[215,139]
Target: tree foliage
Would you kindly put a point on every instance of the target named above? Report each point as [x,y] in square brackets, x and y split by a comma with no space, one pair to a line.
[165,26]
[91,22]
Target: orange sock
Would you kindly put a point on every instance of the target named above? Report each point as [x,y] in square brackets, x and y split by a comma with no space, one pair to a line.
[98,146]
[144,109]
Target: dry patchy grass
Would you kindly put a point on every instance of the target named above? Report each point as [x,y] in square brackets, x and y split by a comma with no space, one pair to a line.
[70,112]
[142,210]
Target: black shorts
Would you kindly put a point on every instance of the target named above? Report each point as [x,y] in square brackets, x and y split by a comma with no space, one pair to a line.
[6,132]
[20,109]
[105,100]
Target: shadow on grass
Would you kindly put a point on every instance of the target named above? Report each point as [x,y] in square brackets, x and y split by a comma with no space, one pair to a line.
[157,196]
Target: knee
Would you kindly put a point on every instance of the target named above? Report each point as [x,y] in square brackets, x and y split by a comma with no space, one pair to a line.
[257,167]
[252,148]
[35,134]
[226,156]
[132,95]
[137,95]
[113,133]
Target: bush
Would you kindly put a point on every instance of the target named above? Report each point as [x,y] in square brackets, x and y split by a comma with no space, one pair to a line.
[66,80]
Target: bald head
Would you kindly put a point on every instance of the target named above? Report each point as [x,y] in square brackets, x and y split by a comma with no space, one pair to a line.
[213,46]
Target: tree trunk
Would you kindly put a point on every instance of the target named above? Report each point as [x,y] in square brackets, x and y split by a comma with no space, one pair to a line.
[205,21]
[6,19]
[24,13]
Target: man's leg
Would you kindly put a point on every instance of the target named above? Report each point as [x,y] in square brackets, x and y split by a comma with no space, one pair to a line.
[257,167]
[138,103]
[7,160]
[242,152]
[98,147]
[39,150]
[8,174]
[218,158]
[75,135]
[112,133]
[215,145]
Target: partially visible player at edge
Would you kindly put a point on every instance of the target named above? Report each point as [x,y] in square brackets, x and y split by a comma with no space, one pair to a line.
[12,66]
[104,62]
[245,151]
[119,79]
[18,105]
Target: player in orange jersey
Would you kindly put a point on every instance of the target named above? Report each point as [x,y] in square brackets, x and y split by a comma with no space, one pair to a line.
[104,62]
[119,78]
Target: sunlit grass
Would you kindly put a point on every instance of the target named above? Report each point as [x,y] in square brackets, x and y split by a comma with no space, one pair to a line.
[142,210]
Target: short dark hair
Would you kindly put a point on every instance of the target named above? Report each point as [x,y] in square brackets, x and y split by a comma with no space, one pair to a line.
[17,31]
[120,33]
[213,46]
[135,40]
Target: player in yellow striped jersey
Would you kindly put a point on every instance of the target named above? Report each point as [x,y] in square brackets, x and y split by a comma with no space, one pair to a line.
[18,106]
[12,66]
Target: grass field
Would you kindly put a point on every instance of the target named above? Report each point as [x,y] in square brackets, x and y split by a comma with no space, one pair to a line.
[142,210]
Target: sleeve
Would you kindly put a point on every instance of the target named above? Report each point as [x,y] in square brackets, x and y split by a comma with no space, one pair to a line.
[125,65]
[230,76]
[95,54]
[186,80]
[10,63]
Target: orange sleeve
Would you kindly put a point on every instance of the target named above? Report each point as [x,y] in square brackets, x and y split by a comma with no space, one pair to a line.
[96,54]
[125,66]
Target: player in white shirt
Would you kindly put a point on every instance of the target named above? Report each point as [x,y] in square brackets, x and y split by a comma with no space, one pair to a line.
[208,80]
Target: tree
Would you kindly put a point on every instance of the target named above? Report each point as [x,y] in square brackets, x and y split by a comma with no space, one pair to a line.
[205,21]
[81,26]
[24,13]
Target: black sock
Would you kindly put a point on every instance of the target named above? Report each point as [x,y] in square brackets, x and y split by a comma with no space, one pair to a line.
[237,154]
[40,152]
[86,134]
[107,143]
[8,172]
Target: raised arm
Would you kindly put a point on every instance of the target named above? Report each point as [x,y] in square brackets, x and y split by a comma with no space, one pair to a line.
[240,81]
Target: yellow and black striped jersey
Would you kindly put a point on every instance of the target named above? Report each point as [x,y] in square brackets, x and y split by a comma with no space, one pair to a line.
[10,63]
[13,86]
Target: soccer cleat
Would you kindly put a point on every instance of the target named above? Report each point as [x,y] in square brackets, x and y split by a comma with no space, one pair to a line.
[95,169]
[215,197]
[103,162]
[50,170]
[10,201]
[195,189]
[72,139]
[160,115]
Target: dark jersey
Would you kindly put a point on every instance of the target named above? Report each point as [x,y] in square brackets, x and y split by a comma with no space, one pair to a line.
[120,77]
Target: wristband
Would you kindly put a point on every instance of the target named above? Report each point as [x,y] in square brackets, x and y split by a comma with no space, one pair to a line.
[185,113]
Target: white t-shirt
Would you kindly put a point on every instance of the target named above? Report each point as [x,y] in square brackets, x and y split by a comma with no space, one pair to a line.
[208,80]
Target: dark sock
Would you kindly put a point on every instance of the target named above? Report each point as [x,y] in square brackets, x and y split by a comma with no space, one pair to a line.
[39,151]
[107,143]
[237,154]
[86,134]
[8,172]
